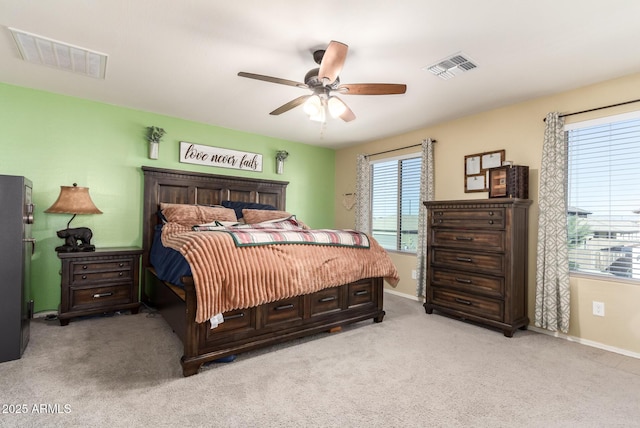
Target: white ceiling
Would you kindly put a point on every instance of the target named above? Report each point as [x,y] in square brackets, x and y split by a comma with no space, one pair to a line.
[181,58]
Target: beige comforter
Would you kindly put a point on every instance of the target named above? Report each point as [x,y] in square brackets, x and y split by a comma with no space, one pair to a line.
[227,277]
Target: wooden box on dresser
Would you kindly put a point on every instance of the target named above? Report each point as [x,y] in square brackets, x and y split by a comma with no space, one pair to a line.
[477,261]
[95,282]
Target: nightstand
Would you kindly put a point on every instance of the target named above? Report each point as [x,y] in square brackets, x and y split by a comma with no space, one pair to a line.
[100,281]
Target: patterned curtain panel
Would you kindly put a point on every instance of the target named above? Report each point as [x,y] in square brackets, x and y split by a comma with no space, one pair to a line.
[426,194]
[552,271]
[363,195]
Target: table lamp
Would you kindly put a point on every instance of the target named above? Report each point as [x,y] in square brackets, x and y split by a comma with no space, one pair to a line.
[74,200]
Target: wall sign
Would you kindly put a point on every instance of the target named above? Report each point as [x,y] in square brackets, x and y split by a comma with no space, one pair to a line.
[217,156]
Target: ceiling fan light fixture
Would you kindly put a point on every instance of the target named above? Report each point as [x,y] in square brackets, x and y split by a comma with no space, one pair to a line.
[313,106]
[336,107]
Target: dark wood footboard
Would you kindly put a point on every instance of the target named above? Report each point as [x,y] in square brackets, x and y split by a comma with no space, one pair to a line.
[265,325]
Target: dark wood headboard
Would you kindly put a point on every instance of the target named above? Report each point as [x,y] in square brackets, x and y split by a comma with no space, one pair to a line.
[185,187]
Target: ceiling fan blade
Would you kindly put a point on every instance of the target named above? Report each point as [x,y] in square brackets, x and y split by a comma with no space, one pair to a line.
[332,62]
[273,79]
[348,114]
[372,89]
[291,104]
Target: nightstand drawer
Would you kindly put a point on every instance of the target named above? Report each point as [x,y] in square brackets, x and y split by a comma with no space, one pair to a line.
[94,297]
[93,266]
[96,277]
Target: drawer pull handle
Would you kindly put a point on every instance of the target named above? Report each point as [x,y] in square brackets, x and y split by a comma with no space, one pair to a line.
[439,213]
[463,238]
[84,266]
[490,221]
[84,276]
[283,307]
[360,293]
[121,264]
[464,259]
[490,212]
[234,316]
[327,299]
[464,302]
[121,273]
[464,281]
[439,220]
[99,295]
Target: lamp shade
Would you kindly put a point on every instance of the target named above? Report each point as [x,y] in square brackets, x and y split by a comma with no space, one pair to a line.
[73,200]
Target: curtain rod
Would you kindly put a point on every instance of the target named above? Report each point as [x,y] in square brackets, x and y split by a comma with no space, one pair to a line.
[399,148]
[596,109]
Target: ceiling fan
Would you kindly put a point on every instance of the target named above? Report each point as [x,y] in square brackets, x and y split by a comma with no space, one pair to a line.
[323,82]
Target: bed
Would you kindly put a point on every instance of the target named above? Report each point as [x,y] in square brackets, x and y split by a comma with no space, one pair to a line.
[324,308]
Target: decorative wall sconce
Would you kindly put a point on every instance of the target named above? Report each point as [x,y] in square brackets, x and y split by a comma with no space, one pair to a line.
[74,200]
[154,135]
[281,155]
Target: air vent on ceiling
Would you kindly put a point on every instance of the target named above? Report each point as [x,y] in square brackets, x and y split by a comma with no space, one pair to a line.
[52,53]
[451,66]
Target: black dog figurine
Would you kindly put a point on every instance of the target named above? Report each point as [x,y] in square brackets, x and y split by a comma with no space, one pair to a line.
[71,238]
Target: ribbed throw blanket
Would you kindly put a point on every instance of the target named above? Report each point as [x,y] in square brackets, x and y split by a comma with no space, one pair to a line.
[227,277]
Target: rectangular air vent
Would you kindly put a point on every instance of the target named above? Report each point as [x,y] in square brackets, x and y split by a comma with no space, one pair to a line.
[52,53]
[451,66]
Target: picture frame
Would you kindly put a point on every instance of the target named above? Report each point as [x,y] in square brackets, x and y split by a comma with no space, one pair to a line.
[477,167]
[498,182]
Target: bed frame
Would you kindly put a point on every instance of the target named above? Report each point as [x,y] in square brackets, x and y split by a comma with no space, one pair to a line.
[245,329]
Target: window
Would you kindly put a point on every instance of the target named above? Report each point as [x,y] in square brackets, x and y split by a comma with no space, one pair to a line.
[603,196]
[395,201]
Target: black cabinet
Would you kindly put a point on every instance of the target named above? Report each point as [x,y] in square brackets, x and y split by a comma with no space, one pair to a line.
[16,248]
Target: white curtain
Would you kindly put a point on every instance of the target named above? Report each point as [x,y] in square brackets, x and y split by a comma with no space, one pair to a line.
[552,270]
[426,194]
[363,195]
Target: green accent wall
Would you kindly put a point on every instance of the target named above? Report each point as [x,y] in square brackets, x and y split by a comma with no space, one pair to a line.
[58,140]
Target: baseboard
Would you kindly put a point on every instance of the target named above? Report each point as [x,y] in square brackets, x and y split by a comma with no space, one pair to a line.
[586,342]
[406,296]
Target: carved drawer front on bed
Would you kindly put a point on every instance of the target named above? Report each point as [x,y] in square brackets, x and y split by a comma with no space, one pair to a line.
[239,323]
[286,310]
[327,300]
[361,293]
[477,261]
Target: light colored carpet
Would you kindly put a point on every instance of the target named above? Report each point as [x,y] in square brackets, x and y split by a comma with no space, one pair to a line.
[412,370]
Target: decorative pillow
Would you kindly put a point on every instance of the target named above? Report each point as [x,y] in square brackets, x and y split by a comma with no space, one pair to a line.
[239,206]
[259,216]
[189,215]
[280,223]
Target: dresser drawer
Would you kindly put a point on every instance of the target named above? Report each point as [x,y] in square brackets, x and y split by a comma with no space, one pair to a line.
[471,282]
[282,311]
[469,239]
[327,300]
[474,305]
[492,218]
[96,297]
[468,261]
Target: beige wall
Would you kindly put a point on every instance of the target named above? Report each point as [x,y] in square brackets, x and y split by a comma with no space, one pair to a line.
[518,129]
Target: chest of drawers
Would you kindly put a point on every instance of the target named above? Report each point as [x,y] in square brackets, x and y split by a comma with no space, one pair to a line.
[100,281]
[477,261]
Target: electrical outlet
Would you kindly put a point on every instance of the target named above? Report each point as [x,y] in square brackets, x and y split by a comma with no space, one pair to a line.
[414,274]
[598,309]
